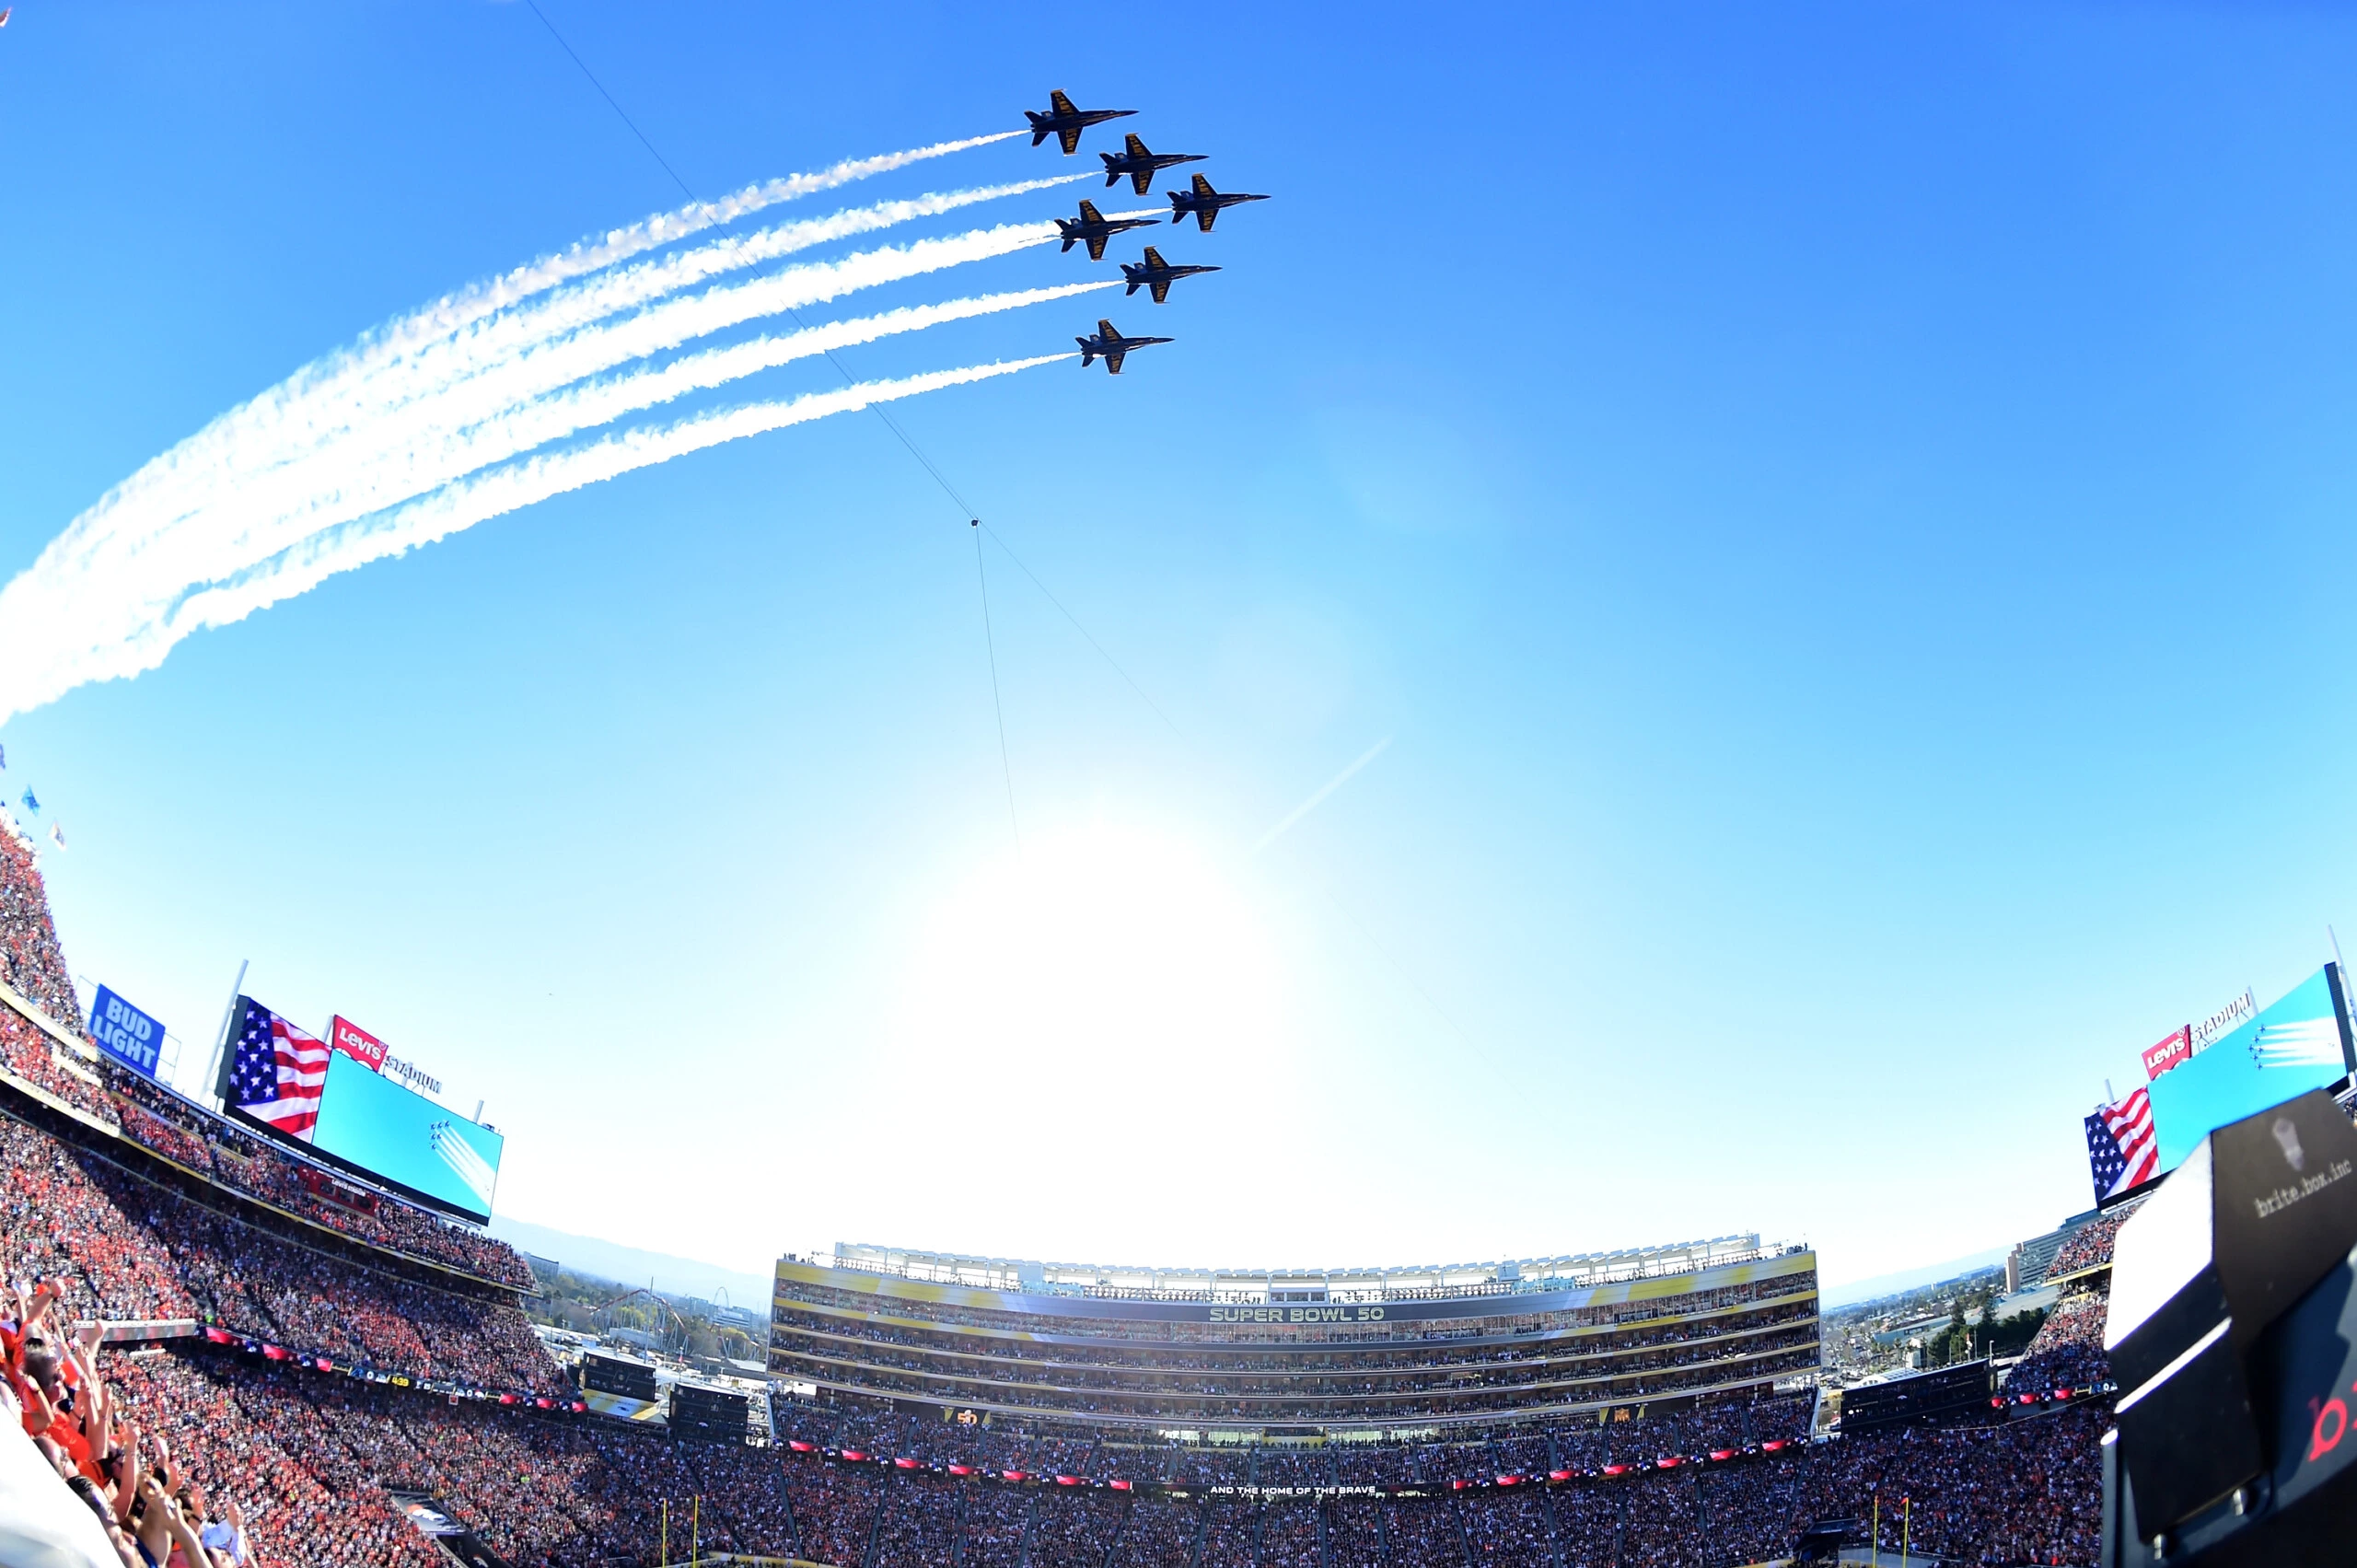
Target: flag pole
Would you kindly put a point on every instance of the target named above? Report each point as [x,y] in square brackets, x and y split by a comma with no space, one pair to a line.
[221,1041]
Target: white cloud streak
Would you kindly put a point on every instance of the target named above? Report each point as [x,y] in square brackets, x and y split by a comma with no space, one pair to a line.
[495,492]
[316,416]
[400,438]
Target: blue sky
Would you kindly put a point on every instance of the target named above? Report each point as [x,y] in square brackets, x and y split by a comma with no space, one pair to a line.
[1840,515]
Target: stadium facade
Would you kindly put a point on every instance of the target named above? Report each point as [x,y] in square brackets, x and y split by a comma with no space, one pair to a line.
[1418,1351]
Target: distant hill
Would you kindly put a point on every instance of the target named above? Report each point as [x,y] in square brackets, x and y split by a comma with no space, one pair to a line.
[633,1265]
[1911,1279]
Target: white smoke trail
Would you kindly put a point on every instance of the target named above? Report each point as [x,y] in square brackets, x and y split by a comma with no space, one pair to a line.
[492,494]
[147,568]
[456,309]
[585,404]
[225,461]
[667,323]
[36,667]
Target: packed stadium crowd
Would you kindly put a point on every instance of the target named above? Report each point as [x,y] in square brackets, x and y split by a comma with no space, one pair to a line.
[1274,1396]
[123,1247]
[2067,1351]
[30,960]
[1748,1310]
[229,1447]
[2089,1246]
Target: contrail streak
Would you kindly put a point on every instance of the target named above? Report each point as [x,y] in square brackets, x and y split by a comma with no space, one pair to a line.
[1306,806]
[235,452]
[520,427]
[262,513]
[489,494]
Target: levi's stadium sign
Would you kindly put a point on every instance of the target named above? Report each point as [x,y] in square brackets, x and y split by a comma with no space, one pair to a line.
[356,1043]
[2191,1040]
[2178,1048]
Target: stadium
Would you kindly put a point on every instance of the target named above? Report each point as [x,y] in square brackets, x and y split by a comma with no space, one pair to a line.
[336,1374]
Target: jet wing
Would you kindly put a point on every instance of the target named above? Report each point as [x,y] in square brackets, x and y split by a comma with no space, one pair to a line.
[1113,361]
[1070,137]
[1136,144]
[1203,217]
[1060,104]
[1144,178]
[1089,211]
[1105,330]
[1203,187]
[1096,246]
[1161,292]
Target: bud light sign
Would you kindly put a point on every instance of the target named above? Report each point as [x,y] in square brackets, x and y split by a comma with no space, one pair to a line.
[125,1033]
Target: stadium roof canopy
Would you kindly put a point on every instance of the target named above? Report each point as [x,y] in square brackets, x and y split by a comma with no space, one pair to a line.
[1263,1285]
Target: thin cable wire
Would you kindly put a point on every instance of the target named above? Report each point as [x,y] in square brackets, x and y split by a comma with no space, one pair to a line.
[1006,765]
[1076,626]
[997,704]
[990,643]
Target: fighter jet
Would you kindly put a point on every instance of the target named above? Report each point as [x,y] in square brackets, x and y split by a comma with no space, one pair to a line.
[1205,202]
[1110,346]
[1141,165]
[1065,124]
[1093,229]
[1157,275]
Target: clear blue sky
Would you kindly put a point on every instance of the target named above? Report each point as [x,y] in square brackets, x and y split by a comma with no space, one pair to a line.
[1841,514]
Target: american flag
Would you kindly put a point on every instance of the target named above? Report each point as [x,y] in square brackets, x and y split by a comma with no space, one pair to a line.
[278,1071]
[2123,1151]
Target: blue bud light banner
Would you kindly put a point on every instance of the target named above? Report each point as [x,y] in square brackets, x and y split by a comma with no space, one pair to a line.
[125,1033]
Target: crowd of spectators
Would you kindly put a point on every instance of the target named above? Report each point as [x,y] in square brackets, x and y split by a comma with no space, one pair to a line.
[2090,1245]
[230,1155]
[125,1248]
[2067,1351]
[29,958]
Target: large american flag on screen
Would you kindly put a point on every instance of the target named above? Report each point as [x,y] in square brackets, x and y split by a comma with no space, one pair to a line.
[277,1073]
[2123,1151]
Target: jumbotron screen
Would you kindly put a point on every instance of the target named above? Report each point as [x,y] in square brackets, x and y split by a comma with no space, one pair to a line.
[370,1122]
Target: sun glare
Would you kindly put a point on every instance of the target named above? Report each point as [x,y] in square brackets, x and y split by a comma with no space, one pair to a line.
[1113,955]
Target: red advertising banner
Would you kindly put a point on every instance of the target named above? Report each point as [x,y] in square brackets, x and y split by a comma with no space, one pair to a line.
[2178,1048]
[356,1043]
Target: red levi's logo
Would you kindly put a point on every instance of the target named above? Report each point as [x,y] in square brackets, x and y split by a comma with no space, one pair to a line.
[2178,1048]
[358,1043]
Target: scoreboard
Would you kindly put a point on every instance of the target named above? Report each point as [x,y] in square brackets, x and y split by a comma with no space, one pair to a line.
[618,1375]
[711,1415]
[1950,1397]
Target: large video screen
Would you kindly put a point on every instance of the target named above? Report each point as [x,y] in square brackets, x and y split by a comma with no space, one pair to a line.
[2299,1043]
[369,1121]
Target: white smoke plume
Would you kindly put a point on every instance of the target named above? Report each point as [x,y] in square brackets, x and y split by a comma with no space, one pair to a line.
[225,462]
[455,507]
[413,433]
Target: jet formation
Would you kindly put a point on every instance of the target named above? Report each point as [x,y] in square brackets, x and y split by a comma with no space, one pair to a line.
[1066,122]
